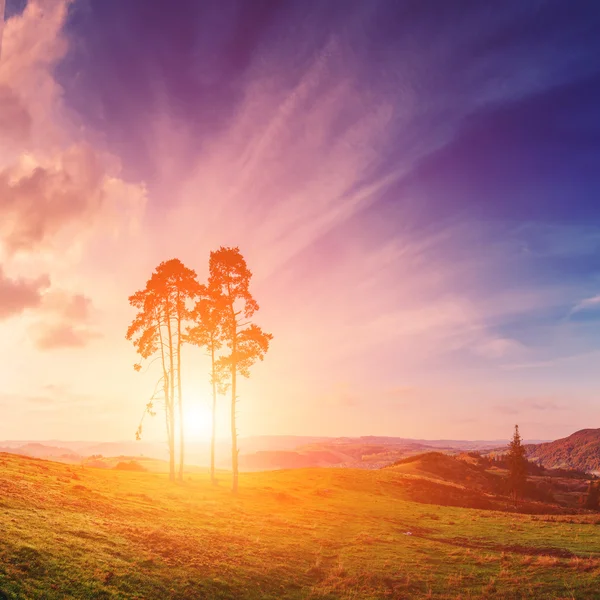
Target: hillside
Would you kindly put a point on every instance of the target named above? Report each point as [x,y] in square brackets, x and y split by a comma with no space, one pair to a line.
[580,451]
[450,469]
[70,532]
[38,450]
[471,480]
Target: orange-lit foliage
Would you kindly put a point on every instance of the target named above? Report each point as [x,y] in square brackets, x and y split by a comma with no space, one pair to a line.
[228,285]
[158,329]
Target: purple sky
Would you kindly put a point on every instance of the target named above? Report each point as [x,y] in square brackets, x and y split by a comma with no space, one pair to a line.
[414,185]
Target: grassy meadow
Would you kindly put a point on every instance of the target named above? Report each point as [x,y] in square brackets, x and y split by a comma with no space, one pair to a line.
[74,532]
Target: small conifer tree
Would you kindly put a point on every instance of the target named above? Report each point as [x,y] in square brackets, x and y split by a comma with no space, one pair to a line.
[517,464]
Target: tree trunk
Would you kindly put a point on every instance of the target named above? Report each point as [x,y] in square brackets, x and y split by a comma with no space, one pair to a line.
[170,433]
[214,416]
[179,397]
[172,443]
[181,435]
[171,399]
[234,448]
[168,412]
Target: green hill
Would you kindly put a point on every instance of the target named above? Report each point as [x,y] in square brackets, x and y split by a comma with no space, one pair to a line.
[449,469]
[580,451]
[76,532]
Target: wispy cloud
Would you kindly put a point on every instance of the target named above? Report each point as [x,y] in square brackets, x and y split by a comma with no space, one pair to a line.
[500,348]
[525,405]
[585,304]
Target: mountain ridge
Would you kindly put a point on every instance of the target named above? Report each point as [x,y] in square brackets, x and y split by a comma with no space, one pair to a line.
[580,450]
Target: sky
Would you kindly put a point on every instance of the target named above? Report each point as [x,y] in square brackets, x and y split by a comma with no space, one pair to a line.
[414,185]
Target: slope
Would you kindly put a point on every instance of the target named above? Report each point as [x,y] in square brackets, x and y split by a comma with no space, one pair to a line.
[72,532]
[580,451]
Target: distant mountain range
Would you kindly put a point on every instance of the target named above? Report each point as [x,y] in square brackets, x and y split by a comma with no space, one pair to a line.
[259,452]
[38,450]
[365,452]
[580,451]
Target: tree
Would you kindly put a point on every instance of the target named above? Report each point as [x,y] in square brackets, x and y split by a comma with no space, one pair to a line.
[207,332]
[158,329]
[592,499]
[517,464]
[228,286]
[146,333]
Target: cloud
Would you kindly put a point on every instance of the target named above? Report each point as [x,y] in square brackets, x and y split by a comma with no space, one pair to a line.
[68,307]
[286,193]
[15,120]
[345,396]
[73,307]
[587,303]
[499,348]
[48,398]
[320,139]
[2,5]
[52,179]
[38,200]
[32,45]
[311,155]
[61,335]
[58,188]
[537,404]
[17,295]
[67,322]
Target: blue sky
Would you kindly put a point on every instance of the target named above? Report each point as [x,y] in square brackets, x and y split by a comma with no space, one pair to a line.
[415,186]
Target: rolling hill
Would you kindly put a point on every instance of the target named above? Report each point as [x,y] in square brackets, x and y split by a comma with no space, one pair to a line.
[580,451]
[449,469]
[71,532]
[38,450]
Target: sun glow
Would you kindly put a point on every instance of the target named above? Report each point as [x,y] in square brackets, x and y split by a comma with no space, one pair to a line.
[197,421]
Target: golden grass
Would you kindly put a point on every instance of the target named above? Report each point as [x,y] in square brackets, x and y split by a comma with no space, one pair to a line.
[72,532]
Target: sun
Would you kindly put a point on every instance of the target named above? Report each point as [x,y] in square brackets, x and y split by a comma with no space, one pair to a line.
[197,421]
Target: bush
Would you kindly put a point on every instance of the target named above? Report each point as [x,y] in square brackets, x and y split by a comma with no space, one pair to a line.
[132,465]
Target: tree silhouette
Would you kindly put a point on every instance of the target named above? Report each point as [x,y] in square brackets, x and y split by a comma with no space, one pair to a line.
[228,286]
[158,328]
[207,332]
[146,332]
[517,464]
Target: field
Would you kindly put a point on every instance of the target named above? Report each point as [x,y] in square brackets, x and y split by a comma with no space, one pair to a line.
[72,532]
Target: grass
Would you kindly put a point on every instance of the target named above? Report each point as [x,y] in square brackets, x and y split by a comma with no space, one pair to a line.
[73,532]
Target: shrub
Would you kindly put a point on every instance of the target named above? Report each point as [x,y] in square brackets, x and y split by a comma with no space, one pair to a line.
[132,465]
